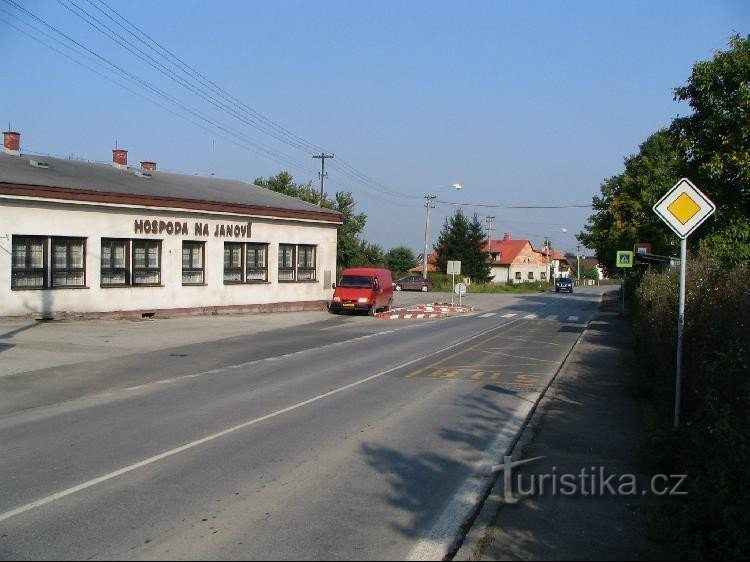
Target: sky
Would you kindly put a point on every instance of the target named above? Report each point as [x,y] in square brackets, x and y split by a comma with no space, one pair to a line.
[521,103]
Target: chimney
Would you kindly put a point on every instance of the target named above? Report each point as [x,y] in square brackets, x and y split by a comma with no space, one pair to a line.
[120,158]
[506,236]
[12,143]
[148,166]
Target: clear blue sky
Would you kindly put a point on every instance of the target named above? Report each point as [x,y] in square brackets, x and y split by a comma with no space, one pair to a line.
[523,103]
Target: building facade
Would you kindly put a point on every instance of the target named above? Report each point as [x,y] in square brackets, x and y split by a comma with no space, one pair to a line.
[78,238]
[516,261]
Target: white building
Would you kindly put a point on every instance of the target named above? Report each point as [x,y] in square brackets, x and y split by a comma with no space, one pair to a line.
[78,238]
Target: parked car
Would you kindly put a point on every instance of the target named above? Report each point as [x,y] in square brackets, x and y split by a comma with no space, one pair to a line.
[563,284]
[412,283]
[363,288]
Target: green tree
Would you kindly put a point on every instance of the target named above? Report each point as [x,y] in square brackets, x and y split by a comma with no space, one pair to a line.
[400,259]
[370,255]
[463,240]
[623,213]
[715,142]
[349,246]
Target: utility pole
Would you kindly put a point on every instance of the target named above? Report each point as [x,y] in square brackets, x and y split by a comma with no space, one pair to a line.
[546,251]
[430,205]
[490,228]
[578,258]
[322,156]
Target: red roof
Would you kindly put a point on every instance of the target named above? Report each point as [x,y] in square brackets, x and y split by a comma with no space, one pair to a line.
[431,259]
[506,249]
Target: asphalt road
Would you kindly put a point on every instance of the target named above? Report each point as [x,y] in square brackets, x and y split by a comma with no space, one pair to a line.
[347,438]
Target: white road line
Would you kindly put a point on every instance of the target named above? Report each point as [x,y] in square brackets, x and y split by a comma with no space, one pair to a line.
[193,444]
[510,315]
[530,316]
[551,317]
[572,318]
[442,534]
[487,315]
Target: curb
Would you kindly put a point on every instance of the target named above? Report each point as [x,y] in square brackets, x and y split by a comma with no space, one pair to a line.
[407,314]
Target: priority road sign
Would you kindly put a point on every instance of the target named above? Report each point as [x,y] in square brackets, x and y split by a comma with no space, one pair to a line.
[624,258]
[684,208]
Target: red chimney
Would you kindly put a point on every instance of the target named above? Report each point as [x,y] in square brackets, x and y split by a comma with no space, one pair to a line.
[12,142]
[120,158]
[149,166]
[506,236]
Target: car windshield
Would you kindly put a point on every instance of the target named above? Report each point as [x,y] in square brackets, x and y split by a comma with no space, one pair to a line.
[356,281]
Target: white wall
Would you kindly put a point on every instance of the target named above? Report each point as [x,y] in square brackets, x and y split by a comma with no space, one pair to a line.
[94,222]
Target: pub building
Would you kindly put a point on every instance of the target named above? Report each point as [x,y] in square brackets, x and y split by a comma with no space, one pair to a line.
[87,239]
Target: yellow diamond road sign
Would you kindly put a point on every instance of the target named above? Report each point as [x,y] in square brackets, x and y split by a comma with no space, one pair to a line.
[684,208]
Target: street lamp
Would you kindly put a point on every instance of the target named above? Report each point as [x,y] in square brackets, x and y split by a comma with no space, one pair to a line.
[430,205]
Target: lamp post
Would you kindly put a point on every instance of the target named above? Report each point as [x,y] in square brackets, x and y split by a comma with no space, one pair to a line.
[430,205]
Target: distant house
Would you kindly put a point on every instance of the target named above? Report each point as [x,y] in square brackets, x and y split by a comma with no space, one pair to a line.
[559,264]
[431,264]
[516,261]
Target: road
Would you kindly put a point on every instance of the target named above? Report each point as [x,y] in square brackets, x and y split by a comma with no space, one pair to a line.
[347,438]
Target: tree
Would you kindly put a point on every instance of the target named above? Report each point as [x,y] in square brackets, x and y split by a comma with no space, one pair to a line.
[370,255]
[715,143]
[349,246]
[623,213]
[400,259]
[463,240]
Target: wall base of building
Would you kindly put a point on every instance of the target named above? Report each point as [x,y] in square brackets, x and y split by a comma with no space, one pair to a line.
[172,312]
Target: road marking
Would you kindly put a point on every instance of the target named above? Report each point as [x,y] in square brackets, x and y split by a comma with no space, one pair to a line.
[442,534]
[530,316]
[487,315]
[551,317]
[572,318]
[510,315]
[193,444]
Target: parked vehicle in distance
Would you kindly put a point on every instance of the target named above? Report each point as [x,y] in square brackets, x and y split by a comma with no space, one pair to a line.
[412,283]
[563,284]
[363,288]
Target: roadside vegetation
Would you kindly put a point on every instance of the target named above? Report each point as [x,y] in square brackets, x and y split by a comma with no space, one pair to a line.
[711,147]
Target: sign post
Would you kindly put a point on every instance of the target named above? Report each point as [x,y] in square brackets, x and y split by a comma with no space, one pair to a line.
[454,268]
[624,260]
[683,208]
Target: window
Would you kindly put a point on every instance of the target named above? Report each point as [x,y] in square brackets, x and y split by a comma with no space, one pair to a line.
[146,262]
[115,262]
[518,275]
[286,262]
[254,268]
[232,262]
[543,275]
[29,263]
[296,263]
[256,265]
[306,263]
[192,263]
[531,275]
[68,262]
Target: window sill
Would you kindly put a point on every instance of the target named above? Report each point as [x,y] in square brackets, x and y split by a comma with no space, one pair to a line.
[49,288]
[195,284]
[304,281]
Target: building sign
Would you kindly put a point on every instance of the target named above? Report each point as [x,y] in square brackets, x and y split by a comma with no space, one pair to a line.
[181,228]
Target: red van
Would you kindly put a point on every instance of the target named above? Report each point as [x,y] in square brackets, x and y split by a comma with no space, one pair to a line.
[363,288]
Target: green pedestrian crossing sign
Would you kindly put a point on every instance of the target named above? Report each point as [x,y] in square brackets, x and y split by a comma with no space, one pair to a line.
[624,258]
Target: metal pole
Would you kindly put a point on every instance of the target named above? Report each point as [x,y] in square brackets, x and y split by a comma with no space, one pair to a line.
[680,332]
[454,288]
[578,259]
[429,199]
[622,290]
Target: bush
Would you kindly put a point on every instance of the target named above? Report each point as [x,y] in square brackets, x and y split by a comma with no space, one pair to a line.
[711,446]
